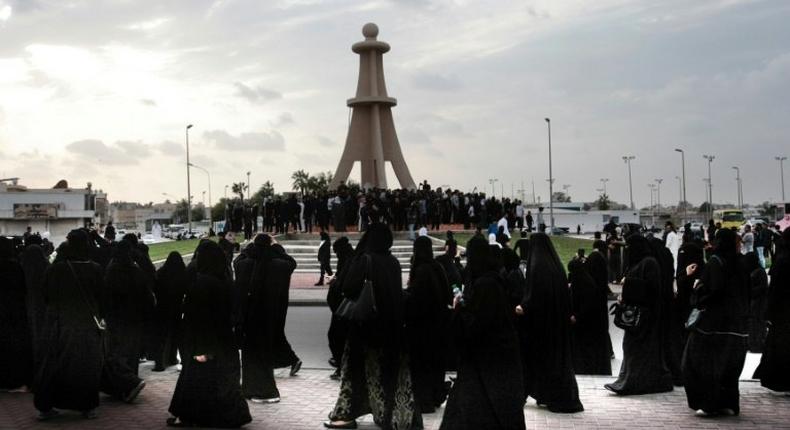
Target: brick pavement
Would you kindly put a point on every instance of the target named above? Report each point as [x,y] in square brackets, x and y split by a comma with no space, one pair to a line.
[308,398]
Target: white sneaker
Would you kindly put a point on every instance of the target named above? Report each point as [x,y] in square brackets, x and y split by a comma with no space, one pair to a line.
[260,400]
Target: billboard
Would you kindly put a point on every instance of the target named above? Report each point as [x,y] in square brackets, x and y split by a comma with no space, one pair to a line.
[35,210]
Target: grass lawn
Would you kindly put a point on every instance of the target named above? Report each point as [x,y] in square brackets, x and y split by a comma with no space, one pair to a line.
[160,251]
[566,246]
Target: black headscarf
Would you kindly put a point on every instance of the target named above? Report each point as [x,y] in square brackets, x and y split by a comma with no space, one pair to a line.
[122,253]
[542,255]
[325,236]
[78,245]
[6,248]
[638,249]
[725,247]
[422,254]
[211,260]
[174,265]
[379,239]
[478,258]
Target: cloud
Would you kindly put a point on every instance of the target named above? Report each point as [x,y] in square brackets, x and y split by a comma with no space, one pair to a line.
[118,154]
[283,119]
[325,141]
[257,94]
[251,141]
[5,13]
[148,102]
[96,150]
[436,82]
[170,148]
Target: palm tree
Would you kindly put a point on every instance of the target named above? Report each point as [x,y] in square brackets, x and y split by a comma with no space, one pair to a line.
[301,180]
[239,188]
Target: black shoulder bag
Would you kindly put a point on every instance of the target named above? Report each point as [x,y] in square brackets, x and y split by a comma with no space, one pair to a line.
[363,309]
[101,325]
[627,317]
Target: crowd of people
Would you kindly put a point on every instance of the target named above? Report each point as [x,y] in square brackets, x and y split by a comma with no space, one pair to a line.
[347,209]
[513,322]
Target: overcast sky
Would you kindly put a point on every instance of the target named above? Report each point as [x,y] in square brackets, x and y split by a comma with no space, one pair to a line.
[101,91]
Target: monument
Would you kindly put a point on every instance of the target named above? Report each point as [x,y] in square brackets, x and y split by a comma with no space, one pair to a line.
[371,136]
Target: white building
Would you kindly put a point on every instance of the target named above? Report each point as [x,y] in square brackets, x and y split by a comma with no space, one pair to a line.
[570,215]
[48,210]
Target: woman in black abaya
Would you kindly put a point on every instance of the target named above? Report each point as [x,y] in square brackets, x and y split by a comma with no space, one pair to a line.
[643,369]
[170,288]
[127,300]
[16,359]
[774,371]
[427,296]
[488,393]
[756,280]
[716,348]
[338,328]
[35,265]
[590,330]
[71,364]
[689,253]
[546,310]
[375,374]
[207,393]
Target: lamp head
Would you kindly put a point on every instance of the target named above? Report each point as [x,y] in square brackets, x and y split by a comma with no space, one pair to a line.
[189,126]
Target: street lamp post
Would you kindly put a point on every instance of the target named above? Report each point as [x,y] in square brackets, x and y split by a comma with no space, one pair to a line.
[680,190]
[738,184]
[249,190]
[627,159]
[210,220]
[493,181]
[226,192]
[603,182]
[782,175]
[551,182]
[658,193]
[683,170]
[652,204]
[710,159]
[189,187]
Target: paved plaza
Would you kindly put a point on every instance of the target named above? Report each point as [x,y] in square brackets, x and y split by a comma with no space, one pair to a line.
[308,398]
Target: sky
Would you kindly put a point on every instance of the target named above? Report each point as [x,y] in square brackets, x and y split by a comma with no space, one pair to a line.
[101,91]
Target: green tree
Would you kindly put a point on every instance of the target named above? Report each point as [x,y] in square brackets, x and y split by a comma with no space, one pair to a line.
[603,203]
[239,188]
[266,190]
[301,180]
[561,197]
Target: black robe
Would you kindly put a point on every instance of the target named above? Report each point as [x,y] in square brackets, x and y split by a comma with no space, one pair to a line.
[716,348]
[757,281]
[548,360]
[71,364]
[643,369]
[597,268]
[208,394]
[170,290]
[774,371]
[488,391]
[426,317]
[35,264]
[127,300]
[262,278]
[16,358]
[375,366]
[590,332]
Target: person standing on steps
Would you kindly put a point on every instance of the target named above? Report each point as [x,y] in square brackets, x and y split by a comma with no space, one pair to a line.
[324,255]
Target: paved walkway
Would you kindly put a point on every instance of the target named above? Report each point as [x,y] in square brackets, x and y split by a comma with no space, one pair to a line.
[308,398]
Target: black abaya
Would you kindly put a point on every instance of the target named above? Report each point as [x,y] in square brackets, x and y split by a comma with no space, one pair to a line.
[35,264]
[171,280]
[774,372]
[16,359]
[488,391]
[208,394]
[590,332]
[127,301]
[643,370]
[71,365]
[548,360]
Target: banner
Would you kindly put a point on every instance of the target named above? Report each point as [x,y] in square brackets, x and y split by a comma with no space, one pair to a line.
[35,211]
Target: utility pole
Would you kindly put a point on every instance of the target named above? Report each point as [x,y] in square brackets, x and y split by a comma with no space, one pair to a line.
[189,187]
[738,184]
[683,193]
[627,159]
[551,182]
[658,193]
[781,161]
[710,159]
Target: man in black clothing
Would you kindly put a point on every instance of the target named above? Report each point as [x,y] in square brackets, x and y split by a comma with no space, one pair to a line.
[522,246]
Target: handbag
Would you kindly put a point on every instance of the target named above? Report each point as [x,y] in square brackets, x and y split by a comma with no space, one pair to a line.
[627,317]
[694,318]
[362,309]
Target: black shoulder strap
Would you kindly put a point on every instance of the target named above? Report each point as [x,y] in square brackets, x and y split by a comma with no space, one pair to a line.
[85,299]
